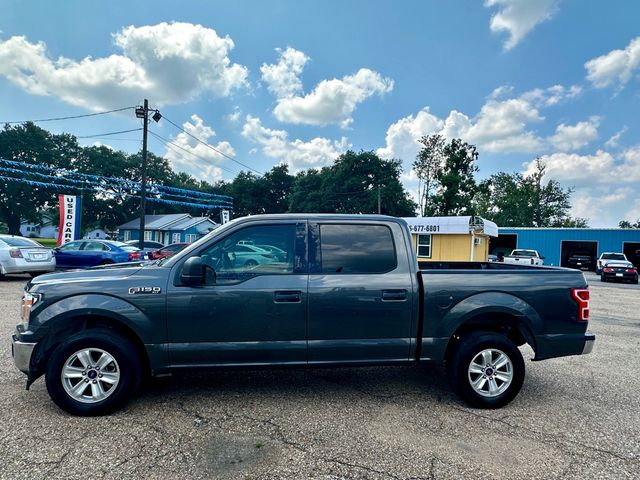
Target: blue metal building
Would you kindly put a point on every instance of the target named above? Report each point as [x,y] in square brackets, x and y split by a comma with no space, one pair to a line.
[558,244]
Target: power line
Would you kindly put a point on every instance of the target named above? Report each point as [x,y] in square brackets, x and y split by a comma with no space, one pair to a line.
[211,147]
[69,118]
[110,133]
[169,142]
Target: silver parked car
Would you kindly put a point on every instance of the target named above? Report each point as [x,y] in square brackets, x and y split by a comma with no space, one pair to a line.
[23,255]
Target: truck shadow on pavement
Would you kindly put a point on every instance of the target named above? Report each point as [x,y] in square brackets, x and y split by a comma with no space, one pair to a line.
[343,383]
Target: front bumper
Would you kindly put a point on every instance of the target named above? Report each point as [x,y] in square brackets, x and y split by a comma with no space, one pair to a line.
[21,352]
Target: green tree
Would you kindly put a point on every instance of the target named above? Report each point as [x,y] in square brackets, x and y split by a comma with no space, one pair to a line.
[628,224]
[427,166]
[31,144]
[457,186]
[355,183]
[514,200]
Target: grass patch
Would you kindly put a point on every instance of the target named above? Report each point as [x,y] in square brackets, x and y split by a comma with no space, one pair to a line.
[47,242]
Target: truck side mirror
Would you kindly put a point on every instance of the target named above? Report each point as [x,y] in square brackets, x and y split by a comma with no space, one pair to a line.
[193,271]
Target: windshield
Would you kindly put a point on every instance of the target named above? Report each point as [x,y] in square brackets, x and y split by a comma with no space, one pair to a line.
[613,256]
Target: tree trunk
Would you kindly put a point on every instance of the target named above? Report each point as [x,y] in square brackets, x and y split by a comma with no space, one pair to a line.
[13,223]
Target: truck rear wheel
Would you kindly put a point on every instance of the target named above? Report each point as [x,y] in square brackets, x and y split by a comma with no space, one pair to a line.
[93,372]
[486,369]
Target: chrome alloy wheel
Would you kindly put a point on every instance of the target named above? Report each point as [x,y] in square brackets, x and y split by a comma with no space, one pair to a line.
[490,372]
[90,375]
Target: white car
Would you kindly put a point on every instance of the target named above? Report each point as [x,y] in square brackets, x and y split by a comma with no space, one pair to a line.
[522,256]
[607,257]
[23,255]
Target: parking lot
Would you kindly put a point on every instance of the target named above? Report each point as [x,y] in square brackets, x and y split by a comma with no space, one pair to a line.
[575,418]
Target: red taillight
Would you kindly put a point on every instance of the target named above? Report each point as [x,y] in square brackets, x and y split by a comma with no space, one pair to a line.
[608,270]
[631,270]
[135,256]
[15,253]
[581,297]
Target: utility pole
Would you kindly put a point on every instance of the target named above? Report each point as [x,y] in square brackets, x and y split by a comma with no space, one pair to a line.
[379,201]
[143,183]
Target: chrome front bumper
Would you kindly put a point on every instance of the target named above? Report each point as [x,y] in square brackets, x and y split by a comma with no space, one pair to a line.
[21,352]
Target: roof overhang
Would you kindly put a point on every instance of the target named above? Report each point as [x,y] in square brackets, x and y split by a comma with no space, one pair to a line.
[451,225]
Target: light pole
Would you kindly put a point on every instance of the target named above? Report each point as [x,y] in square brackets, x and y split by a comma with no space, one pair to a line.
[143,112]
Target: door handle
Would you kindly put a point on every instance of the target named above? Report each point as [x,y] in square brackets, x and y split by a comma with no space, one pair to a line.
[287,296]
[394,295]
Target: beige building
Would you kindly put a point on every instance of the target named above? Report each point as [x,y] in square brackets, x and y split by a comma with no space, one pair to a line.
[461,239]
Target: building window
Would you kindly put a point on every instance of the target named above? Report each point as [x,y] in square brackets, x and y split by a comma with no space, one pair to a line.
[191,237]
[175,238]
[147,235]
[127,235]
[424,246]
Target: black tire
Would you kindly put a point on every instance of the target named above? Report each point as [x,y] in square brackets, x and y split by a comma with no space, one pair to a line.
[127,365]
[603,278]
[468,350]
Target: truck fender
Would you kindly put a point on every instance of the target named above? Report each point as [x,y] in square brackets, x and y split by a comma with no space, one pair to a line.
[491,304]
[105,306]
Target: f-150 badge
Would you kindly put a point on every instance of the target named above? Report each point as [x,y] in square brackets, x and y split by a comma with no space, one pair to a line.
[150,290]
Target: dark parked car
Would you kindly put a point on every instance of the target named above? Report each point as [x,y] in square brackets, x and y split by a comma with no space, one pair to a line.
[616,270]
[149,245]
[167,251]
[350,293]
[89,253]
[581,262]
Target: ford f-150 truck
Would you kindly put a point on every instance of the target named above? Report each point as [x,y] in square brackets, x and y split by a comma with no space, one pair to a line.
[343,290]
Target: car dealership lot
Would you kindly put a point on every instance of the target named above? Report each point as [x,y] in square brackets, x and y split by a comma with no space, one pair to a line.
[575,417]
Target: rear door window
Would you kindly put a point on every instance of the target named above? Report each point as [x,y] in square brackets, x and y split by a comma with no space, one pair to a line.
[348,249]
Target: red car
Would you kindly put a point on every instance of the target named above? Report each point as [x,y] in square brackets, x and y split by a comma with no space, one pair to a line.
[166,251]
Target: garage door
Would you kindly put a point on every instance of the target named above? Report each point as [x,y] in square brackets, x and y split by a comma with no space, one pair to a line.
[570,248]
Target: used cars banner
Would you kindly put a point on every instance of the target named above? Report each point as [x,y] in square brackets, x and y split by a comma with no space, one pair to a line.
[69,228]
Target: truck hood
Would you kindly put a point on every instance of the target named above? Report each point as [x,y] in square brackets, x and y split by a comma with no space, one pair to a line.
[111,272]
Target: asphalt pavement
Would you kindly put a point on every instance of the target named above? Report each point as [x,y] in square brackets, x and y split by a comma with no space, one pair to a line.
[575,418]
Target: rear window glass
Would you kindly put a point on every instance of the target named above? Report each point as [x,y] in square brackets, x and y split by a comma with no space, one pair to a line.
[613,256]
[19,242]
[357,249]
[524,253]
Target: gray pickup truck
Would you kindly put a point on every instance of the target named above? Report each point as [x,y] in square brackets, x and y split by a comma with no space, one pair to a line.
[295,290]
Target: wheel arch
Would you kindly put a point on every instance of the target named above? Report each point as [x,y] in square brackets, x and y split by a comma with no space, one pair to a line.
[73,324]
[503,323]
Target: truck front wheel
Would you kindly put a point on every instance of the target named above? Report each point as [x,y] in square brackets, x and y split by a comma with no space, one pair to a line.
[93,372]
[486,369]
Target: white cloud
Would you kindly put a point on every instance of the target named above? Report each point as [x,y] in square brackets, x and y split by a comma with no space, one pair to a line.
[614,140]
[283,78]
[168,62]
[501,126]
[234,117]
[519,17]
[193,157]
[598,203]
[299,155]
[402,136]
[574,137]
[617,66]
[332,102]
[601,168]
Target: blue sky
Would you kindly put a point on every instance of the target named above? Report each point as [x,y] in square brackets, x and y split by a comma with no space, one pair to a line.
[302,81]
